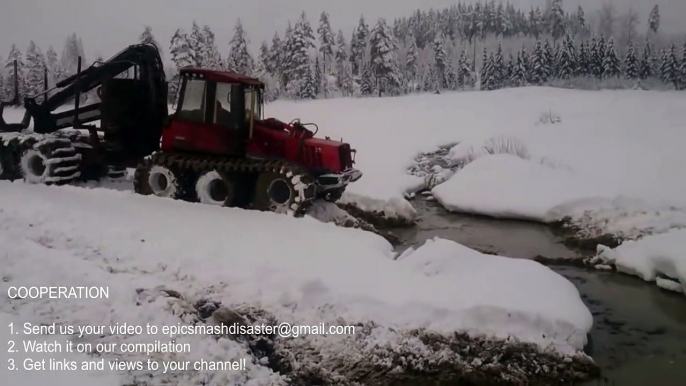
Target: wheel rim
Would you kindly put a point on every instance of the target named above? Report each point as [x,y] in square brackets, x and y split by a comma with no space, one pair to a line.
[279,192]
[217,190]
[213,189]
[36,165]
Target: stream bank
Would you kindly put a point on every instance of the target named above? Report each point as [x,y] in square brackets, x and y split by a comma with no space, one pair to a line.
[639,331]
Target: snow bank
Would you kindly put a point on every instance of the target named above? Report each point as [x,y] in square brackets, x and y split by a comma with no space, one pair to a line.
[651,257]
[507,186]
[299,270]
[618,143]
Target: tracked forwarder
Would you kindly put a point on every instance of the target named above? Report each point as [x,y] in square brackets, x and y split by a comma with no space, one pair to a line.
[216,148]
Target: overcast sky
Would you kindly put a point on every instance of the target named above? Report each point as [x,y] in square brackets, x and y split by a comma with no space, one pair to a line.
[107,26]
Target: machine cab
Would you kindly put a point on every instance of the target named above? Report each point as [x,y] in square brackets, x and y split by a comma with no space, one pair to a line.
[215,114]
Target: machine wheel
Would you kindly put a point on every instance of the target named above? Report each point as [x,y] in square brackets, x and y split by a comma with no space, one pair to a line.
[49,162]
[279,191]
[155,180]
[214,188]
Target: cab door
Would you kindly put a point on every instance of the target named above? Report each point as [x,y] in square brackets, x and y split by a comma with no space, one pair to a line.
[209,119]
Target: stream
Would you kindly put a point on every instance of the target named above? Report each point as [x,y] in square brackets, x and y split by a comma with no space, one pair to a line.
[639,331]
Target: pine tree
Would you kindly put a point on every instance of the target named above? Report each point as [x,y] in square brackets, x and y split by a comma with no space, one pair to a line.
[147,38]
[486,69]
[341,61]
[15,54]
[498,70]
[670,68]
[583,61]
[597,56]
[297,59]
[664,69]
[382,53]
[2,89]
[358,45]
[263,66]
[367,83]
[210,54]
[180,49]
[240,60]
[654,19]
[518,76]
[566,66]
[411,58]
[326,39]
[538,70]
[646,67]
[430,82]
[611,64]
[35,70]
[308,86]
[549,60]
[464,71]
[632,67]
[557,20]
[581,21]
[55,72]
[682,68]
[73,49]
[440,60]
[273,63]
[318,87]
[196,42]
[450,76]
[347,84]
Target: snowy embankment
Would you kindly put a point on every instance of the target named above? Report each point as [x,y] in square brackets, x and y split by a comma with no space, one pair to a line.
[607,148]
[660,258]
[160,258]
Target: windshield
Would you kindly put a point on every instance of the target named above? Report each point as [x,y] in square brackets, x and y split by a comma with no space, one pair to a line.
[251,93]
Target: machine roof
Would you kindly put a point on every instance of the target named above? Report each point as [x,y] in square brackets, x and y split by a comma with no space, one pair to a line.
[222,76]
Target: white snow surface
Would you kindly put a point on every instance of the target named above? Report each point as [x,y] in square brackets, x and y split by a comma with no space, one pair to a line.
[652,256]
[300,270]
[607,144]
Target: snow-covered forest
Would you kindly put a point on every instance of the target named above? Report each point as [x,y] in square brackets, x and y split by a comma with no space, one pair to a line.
[484,45]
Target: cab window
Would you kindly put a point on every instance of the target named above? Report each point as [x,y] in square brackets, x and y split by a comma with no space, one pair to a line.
[193,105]
[222,106]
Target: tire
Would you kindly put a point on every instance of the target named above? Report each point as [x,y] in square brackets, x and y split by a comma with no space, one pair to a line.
[34,166]
[280,192]
[155,180]
[213,188]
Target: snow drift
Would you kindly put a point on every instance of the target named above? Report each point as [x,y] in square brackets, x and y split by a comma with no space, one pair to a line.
[294,269]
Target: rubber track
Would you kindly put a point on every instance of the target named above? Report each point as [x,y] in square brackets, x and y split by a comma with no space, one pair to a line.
[205,163]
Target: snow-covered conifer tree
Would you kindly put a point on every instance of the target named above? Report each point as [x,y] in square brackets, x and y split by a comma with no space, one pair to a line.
[565,61]
[611,64]
[297,52]
[358,45]
[326,40]
[181,56]
[308,86]
[450,76]
[73,49]
[411,58]
[583,61]
[631,64]
[682,68]
[670,67]
[597,56]
[538,70]
[367,82]
[196,42]
[341,61]
[440,59]
[549,60]
[210,54]
[15,54]
[383,58]
[148,38]
[240,60]
[654,19]
[557,20]
[646,69]
[273,63]
[464,71]
[318,87]
[55,72]
[518,76]
[35,70]
[347,83]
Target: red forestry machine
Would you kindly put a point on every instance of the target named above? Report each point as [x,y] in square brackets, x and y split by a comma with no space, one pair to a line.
[216,148]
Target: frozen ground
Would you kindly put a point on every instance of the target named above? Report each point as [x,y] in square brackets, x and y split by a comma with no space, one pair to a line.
[298,270]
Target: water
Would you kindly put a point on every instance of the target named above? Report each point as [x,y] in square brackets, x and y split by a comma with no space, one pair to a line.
[639,331]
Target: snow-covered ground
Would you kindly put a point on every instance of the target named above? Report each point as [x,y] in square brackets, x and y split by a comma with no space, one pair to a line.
[299,270]
[608,159]
[659,258]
